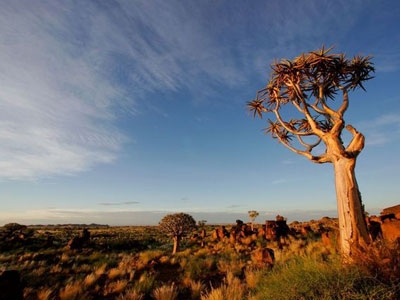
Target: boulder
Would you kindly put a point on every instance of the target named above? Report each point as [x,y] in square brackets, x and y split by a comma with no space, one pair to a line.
[391,210]
[391,230]
[263,257]
[78,242]
[10,285]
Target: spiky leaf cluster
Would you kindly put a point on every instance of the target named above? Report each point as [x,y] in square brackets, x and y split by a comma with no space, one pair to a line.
[308,83]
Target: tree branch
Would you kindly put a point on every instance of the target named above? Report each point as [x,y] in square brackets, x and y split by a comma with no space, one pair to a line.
[316,159]
[284,125]
[345,104]
[357,143]
[308,146]
[311,121]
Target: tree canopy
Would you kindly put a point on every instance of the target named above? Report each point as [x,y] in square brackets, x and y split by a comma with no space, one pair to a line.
[177,226]
[310,83]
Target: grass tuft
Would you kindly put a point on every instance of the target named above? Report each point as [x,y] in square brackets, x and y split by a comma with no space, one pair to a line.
[165,292]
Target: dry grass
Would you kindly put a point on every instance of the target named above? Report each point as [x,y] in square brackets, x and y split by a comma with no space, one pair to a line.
[100,270]
[381,260]
[220,270]
[44,294]
[232,289]
[253,277]
[65,257]
[71,291]
[147,256]
[131,294]
[165,292]
[90,280]
[116,287]
[114,273]
[197,288]
[145,283]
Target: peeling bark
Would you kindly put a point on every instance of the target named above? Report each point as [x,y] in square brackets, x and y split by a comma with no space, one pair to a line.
[352,225]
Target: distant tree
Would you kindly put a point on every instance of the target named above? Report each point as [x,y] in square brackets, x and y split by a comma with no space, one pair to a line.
[253,214]
[201,223]
[177,226]
[305,120]
[202,236]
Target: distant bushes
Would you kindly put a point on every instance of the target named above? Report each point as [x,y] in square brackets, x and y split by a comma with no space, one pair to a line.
[13,235]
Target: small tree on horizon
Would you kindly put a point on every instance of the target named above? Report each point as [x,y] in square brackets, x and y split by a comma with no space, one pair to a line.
[202,223]
[177,226]
[253,214]
[305,120]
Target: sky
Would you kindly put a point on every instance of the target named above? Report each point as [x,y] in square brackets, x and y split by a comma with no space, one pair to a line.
[120,112]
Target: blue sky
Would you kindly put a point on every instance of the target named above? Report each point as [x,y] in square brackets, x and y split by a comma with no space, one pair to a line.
[119,112]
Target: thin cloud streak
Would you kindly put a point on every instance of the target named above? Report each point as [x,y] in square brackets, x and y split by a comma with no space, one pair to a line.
[57,111]
[67,69]
[278,181]
[376,131]
[118,203]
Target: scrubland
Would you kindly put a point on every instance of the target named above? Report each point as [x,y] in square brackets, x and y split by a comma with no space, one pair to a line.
[136,263]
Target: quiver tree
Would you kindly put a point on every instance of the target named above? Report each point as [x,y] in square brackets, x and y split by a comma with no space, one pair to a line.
[253,214]
[177,226]
[304,118]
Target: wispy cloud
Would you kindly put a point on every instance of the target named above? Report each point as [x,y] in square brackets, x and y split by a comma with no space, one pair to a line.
[388,61]
[119,203]
[278,181]
[382,130]
[57,104]
[67,68]
[233,206]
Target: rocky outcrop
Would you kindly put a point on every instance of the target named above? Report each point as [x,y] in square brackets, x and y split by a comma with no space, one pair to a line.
[391,230]
[387,225]
[394,210]
[390,223]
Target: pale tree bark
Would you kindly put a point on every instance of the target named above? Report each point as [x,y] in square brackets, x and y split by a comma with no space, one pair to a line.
[177,240]
[352,226]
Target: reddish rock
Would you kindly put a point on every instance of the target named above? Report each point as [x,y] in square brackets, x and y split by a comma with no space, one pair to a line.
[391,230]
[263,257]
[391,210]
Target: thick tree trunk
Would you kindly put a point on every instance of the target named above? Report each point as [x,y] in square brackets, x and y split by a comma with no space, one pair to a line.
[352,225]
[176,244]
